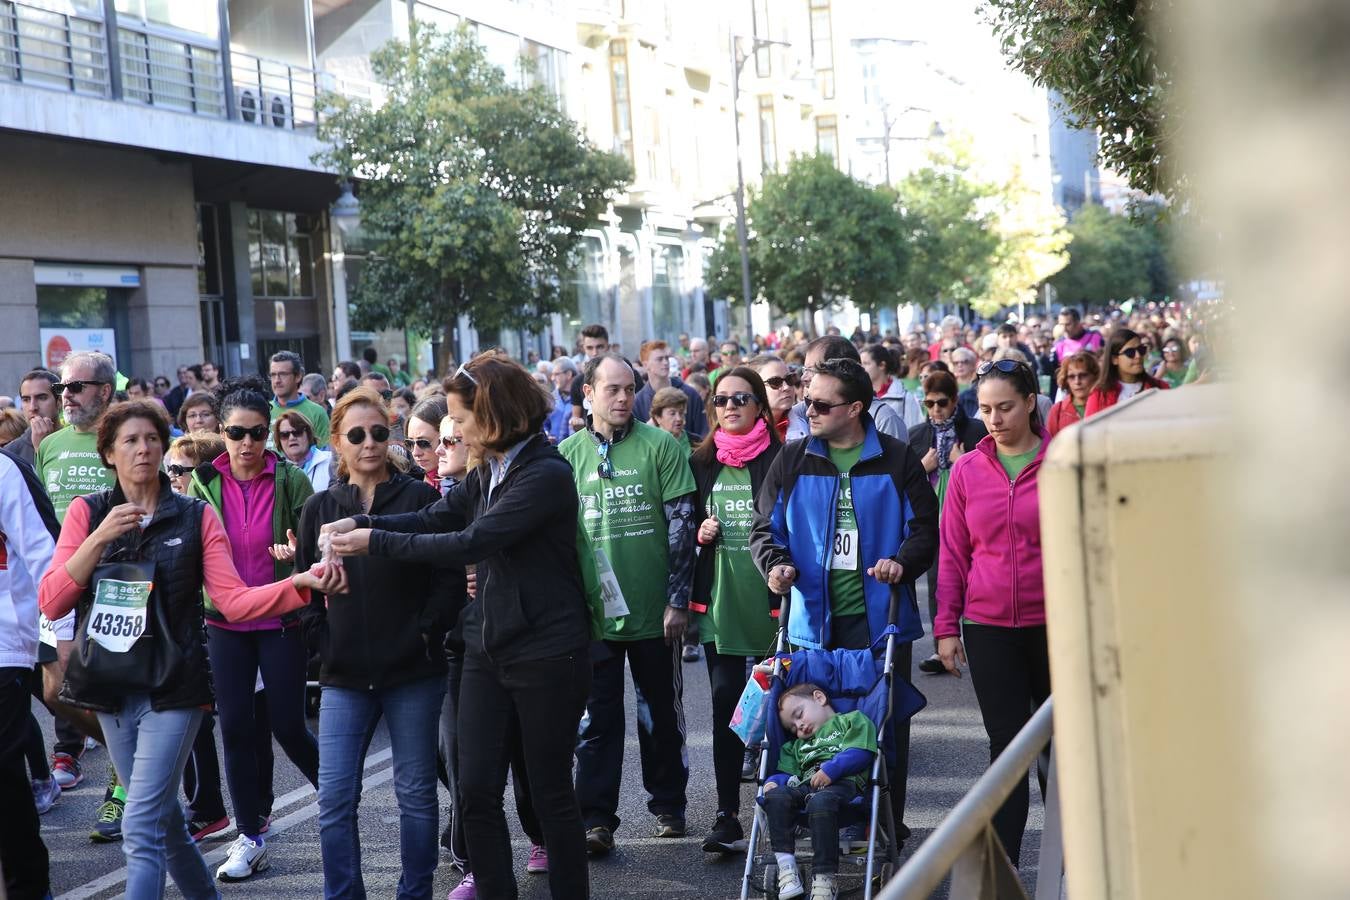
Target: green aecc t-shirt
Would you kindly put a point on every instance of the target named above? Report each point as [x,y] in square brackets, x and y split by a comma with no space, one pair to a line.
[846,563]
[738,619]
[69,466]
[840,732]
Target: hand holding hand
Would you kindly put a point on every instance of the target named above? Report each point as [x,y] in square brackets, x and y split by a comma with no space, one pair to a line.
[325,578]
[341,526]
[887,571]
[781,579]
[352,543]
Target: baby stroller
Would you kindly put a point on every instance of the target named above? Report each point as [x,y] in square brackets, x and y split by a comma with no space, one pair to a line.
[853,679]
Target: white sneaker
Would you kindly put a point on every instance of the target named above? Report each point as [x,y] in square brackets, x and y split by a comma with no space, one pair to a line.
[824,887]
[45,793]
[789,883]
[246,859]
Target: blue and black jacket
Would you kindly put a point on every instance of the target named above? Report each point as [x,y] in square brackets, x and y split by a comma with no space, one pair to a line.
[897,517]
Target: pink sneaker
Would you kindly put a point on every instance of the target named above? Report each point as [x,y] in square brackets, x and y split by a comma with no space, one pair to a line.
[465,890]
[538,864]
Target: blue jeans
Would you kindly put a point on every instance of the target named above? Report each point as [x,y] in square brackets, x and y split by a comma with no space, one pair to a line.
[149,750]
[347,720]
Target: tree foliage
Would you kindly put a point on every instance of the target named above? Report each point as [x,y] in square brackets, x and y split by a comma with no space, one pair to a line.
[1108,259]
[819,237]
[474,193]
[1032,242]
[1100,56]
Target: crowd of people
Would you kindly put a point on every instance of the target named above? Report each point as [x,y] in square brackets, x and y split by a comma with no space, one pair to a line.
[178,555]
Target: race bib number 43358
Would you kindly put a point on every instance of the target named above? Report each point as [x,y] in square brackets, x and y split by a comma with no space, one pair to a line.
[117,617]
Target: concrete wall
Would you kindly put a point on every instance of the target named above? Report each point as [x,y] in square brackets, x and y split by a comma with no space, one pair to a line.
[166,329]
[19,344]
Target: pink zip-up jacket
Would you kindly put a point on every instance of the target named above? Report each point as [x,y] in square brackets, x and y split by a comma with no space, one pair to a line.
[989,566]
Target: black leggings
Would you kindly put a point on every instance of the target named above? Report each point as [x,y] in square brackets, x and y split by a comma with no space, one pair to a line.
[1010,669]
[726,676]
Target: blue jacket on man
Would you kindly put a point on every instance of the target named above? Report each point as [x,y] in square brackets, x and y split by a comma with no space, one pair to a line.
[897,516]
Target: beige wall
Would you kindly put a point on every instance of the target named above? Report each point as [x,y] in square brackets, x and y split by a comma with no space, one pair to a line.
[166,329]
[19,345]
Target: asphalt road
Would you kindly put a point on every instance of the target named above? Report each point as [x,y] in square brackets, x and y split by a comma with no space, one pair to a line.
[949,751]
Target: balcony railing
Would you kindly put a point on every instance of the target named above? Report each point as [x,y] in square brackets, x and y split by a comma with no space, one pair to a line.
[172,72]
[62,50]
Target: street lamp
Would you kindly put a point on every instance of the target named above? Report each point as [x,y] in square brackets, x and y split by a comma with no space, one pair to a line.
[888,122]
[345,215]
[737,63]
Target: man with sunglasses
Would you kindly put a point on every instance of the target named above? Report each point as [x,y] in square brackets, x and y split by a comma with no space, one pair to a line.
[285,371]
[69,465]
[840,519]
[637,497]
[655,359]
[887,420]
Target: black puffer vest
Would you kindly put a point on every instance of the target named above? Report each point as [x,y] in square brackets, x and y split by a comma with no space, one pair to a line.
[173,541]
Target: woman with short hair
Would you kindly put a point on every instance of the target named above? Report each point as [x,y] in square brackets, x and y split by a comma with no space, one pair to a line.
[199,413]
[1076,377]
[293,436]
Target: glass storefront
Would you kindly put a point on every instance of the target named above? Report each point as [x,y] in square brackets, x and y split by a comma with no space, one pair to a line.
[585,290]
[73,318]
[667,292]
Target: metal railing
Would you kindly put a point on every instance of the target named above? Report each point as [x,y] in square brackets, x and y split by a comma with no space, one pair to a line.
[63,50]
[273,93]
[171,72]
[965,843]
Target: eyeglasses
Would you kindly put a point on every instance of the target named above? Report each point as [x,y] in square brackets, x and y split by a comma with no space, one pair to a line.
[792,379]
[449,442]
[357,435]
[737,400]
[287,435]
[239,432]
[464,370]
[1006,366]
[75,387]
[419,443]
[177,471]
[1132,352]
[822,408]
[940,403]
[606,468]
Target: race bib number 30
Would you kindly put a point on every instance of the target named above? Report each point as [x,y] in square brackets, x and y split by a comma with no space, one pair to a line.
[117,617]
[845,550]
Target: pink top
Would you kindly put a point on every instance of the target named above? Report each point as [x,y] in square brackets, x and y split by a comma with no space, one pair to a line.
[58,593]
[247,508]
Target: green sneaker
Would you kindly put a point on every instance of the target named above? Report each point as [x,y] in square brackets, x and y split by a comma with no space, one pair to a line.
[108,825]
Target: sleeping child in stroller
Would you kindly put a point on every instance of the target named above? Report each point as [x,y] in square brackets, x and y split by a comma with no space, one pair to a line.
[821,769]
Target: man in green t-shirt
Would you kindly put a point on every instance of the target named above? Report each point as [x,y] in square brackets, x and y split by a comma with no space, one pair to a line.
[286,370]
[637,514]
[69,465]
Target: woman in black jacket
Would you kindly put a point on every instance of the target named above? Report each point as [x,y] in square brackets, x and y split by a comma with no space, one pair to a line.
[381,649]
[736,611]
[526,666]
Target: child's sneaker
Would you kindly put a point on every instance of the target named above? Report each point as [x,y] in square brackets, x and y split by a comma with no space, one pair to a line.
[538,861]
[465,890]
[824,887]
[789,882]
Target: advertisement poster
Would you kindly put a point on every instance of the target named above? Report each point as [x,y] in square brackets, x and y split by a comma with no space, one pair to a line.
[58,343]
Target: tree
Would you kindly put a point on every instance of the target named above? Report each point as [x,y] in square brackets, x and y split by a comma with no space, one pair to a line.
[949,221]
[1100,56]
[1031,247]
[474,193]
[1108,259]
[818,237]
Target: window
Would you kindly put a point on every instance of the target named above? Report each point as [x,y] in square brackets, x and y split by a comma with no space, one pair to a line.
[768,152]
[548,70]
[280,254]
[621,101]
[822,48]
[760,15]
[667,291]
[503,50]
[827,137]
[201,17]
[438,18]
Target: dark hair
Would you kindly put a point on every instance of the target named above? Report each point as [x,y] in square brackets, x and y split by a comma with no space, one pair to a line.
[48,374]
[1110,376]
[595,331]
[288,356]
[801,689]
[197,398]
[706,451]
[370,356]
[196,371]
[120,413]
[349,385]
[431,410]
[372,375]
[941,382]
[667,398]
[883,356]
[508,404]
[349,368]
[245,392]
[914,359]
[1023,380]
[1072,312]
[407,396]
[833,347]
[592,366]
[857,387]
[1082,358]
[138,382]
[296,420]
[1007,328]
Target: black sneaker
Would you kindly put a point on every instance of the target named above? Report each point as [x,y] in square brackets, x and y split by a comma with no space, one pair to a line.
[670,827]
[599,841]
[932,666]
[108,825]
[726,836]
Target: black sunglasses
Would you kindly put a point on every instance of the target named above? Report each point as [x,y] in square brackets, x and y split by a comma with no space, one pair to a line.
[238,432]
[1132,352]
[287,435]
[448,442]
[357,435]
[822,408]
[792,379]
[1006,366]
[419,443]
[606,468]
[940,403]
[738,399]
[177,471]
[75,387]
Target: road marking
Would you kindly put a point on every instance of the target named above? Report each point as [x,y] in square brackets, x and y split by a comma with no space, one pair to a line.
[116,877]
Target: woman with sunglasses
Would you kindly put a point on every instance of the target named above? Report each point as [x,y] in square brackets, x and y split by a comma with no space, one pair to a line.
[991,593]
[940,441]
[1175,363]
[733,607]
[258,496]
[294,437]
[1123,372]
[382,653]
[423,429]
[1076,378]
[780,386]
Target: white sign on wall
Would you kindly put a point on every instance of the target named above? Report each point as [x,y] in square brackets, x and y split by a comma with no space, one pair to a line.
[65,275]
[58,343]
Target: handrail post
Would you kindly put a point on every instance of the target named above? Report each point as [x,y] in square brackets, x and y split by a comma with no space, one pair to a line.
[112,34]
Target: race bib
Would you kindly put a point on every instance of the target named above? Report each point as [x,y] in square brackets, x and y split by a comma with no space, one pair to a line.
[615,606]
[845,550]
[46,633]
[118,614]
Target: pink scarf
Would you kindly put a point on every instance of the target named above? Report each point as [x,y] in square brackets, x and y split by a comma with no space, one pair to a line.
[738,449]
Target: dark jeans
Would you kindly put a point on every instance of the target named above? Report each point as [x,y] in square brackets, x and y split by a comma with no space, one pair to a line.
[727,677]
[543,699]
[22,853]
[201,777]
[932,599]
[782,806]
[659,682]
[236,659]
[1010,669]
[448,771]
[852,633]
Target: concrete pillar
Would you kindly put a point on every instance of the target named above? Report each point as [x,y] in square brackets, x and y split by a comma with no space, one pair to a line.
[21,349]
[165,318]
